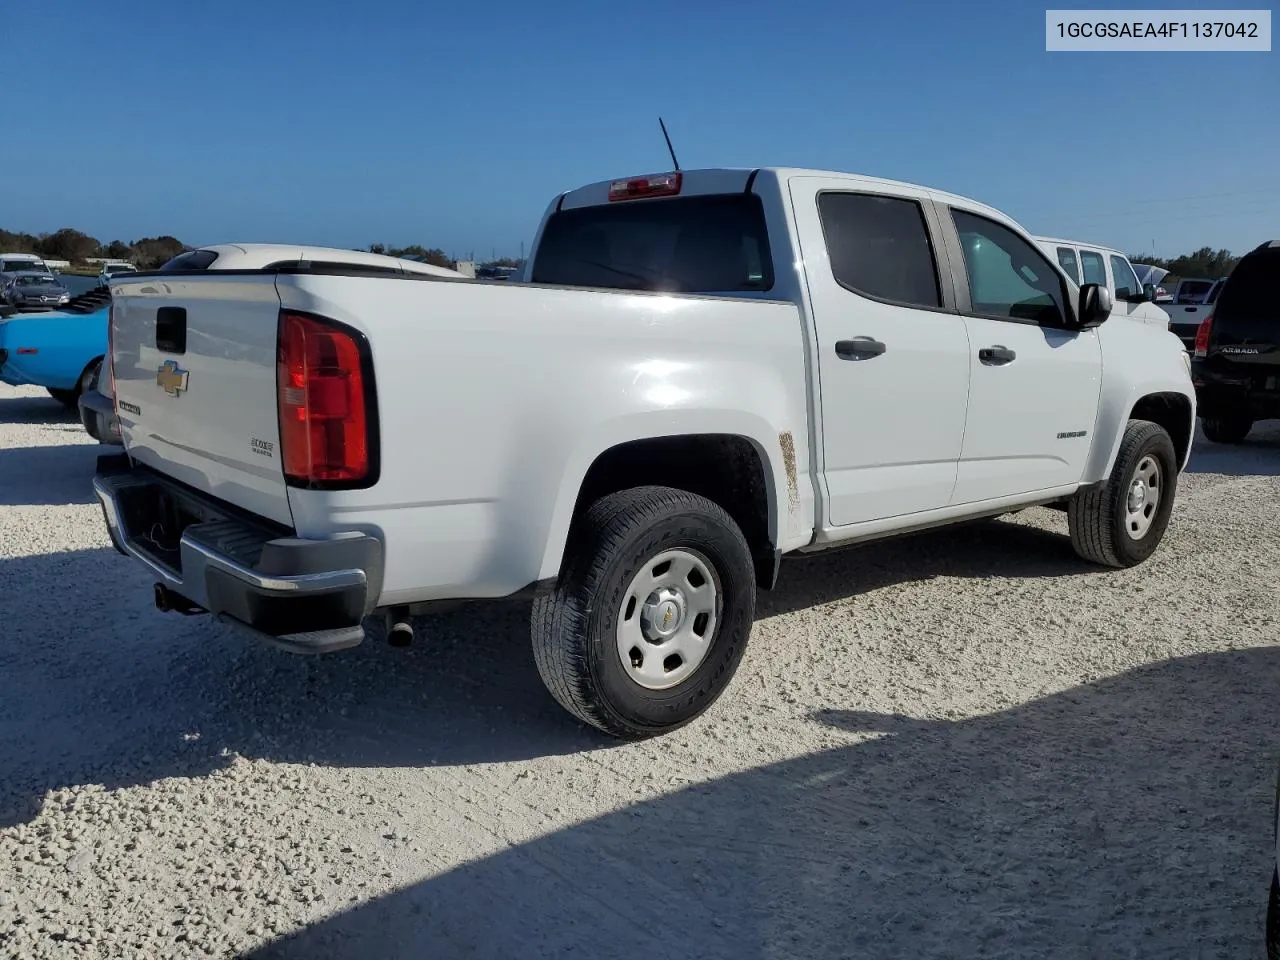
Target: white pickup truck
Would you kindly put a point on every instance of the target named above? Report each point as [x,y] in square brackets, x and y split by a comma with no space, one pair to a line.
[702,372]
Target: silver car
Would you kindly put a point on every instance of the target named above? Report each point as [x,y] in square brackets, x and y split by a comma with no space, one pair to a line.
[34,291]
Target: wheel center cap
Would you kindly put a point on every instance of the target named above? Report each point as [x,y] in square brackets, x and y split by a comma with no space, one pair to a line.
[1137,494]
[663,614]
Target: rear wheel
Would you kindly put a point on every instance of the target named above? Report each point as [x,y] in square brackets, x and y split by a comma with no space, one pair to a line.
[649,620]
[1229,429]
[88,380]
[1121,522]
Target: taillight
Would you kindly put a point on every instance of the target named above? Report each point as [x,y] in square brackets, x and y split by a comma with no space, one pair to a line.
[1202,336]
[324,394]
[659,185]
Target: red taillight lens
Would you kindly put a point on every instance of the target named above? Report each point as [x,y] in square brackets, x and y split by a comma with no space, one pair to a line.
[660,185]
[1202,336]
[322,386]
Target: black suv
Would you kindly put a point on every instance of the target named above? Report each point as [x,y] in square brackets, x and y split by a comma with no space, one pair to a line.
[1236,364]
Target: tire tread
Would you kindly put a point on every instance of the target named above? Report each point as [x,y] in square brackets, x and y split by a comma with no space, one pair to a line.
[558,622]
[1091,513]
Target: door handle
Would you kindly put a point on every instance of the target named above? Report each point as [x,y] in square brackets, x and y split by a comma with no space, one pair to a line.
[996,356]
[1189,309]
[859,348]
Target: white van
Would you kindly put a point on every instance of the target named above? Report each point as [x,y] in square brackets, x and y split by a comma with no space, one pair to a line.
[1091,263]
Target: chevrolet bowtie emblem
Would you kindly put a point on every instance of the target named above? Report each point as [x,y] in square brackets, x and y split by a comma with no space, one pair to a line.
[171,377]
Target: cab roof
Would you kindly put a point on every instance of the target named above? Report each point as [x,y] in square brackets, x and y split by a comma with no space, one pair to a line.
[735,179]
[255,256]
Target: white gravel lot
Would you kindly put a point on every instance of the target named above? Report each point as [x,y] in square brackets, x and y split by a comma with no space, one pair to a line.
[961,744]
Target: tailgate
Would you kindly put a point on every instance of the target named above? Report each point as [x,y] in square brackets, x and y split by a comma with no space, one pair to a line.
[195,384]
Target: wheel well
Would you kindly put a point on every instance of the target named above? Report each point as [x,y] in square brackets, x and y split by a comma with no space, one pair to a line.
[1173,412]
[724,468]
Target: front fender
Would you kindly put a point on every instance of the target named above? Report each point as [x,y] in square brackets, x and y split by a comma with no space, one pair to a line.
[1138,362]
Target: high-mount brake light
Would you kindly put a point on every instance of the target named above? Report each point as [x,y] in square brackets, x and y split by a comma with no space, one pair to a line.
[1202,336]
[322,388]
[657,185]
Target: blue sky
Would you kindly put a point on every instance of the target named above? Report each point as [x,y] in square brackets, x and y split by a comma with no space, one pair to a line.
[453,124]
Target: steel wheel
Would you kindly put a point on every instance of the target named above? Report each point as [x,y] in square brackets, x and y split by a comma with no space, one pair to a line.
[1143,498]
[668,618]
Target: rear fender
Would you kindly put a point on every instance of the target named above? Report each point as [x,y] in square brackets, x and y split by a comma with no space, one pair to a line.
[790,512]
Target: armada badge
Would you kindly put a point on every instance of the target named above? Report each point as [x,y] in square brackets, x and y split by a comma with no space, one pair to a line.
[171,377]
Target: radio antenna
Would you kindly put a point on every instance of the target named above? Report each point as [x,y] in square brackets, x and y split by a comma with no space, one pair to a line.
[670,149]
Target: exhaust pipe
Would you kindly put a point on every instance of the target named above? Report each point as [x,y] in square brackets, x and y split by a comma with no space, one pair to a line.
[399,627]
[169,602]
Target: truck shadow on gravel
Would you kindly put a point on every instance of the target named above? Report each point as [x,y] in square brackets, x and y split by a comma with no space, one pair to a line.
[98,687]
[49,476]
[1127,817]
[986,549]
[39,409]
[1258,455]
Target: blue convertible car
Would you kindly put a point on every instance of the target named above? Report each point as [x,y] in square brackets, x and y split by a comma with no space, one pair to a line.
[60,351]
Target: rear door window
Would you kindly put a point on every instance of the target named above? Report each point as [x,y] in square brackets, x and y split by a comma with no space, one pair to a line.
[1092,267]
[1067,260]
[698,244]
[879,247]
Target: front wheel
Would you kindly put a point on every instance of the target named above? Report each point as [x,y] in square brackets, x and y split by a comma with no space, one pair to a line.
[1226,429]
[649,621]
[1120,523]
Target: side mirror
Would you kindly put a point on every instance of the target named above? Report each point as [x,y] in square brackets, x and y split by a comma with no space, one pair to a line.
[1148,293]
[1094,306]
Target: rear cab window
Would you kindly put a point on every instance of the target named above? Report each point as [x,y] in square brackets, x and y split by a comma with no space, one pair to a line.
[710,243]
[191,260]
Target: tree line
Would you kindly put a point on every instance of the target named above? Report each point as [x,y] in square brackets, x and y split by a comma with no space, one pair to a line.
[74,246]
[1205,263]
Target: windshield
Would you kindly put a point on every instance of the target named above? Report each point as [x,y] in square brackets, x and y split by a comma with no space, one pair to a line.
[704,244]
[14,266]
[36,282]
[1190,291]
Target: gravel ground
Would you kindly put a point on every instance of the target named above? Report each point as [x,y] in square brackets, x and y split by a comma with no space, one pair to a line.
[961,744]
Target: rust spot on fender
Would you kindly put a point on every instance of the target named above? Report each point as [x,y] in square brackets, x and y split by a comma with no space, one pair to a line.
[788,445]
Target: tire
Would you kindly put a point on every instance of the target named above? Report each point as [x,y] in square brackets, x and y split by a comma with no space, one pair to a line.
[1273,919]
[1226,429]
[88,379]
[597,608]
[1102,528]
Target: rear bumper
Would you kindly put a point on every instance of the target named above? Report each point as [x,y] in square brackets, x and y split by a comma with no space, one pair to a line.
[98,415]
[308,596]
[1255,394]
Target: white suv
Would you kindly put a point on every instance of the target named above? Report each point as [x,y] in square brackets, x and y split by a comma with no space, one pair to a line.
[1107,267]
[110,270]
